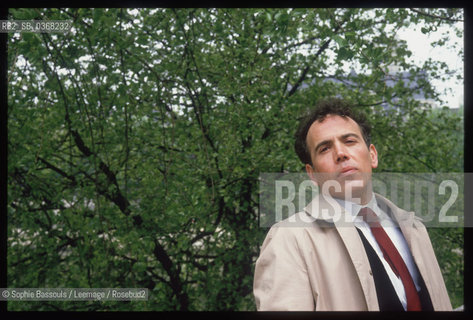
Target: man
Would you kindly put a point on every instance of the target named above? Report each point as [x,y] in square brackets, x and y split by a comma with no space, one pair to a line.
[344,258]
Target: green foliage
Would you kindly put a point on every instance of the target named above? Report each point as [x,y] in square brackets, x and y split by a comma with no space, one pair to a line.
[135,141]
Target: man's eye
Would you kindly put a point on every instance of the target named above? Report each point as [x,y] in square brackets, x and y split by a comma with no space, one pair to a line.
[350,141]
[323,149]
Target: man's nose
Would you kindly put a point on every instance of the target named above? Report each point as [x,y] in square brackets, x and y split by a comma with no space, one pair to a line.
[340,152]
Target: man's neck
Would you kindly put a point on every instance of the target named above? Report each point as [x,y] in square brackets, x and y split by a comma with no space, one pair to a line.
[354,207]
[362,201]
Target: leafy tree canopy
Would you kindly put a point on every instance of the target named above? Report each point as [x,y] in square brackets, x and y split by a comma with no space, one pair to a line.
[135,141]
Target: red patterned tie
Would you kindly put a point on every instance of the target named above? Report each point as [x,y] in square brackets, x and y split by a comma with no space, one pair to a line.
[393,257]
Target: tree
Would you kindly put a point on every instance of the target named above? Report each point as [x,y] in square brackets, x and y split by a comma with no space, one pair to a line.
[135,141]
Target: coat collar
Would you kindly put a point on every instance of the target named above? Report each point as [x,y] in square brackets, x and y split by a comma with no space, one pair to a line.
[328,210]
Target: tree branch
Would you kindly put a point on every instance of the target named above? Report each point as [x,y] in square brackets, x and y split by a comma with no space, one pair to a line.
[435,16]
[173,273]
[307,68]
[56,169]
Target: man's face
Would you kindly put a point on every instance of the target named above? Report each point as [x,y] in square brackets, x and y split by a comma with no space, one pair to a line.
[338,152]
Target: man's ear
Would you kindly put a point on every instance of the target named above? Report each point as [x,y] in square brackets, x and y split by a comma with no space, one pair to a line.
[374,156]
[311,173]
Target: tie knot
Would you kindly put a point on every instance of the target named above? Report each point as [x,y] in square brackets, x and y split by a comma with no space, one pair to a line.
[368,216]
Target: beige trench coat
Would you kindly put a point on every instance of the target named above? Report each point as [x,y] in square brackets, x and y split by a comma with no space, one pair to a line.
[319,262]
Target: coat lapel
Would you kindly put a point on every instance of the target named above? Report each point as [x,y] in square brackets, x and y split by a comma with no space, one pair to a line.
[328,211]
[351,240]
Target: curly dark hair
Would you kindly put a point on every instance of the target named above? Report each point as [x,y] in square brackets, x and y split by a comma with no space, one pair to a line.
[323,108]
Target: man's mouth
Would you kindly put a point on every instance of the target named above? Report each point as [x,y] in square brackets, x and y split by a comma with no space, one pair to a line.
[347,171]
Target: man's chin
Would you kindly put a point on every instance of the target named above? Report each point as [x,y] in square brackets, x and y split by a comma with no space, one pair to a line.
[347,189]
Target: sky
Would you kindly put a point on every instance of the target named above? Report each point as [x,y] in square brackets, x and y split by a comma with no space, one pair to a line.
[420,45]
[451,90]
